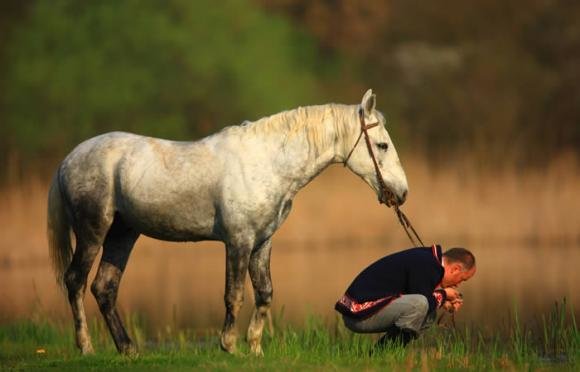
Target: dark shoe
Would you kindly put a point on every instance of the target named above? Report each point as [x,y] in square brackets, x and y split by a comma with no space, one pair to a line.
[395,335]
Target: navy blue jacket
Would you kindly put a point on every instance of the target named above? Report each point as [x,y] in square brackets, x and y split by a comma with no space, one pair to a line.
[412,271]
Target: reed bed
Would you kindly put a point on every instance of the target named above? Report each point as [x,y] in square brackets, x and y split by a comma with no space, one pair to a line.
[499,213]
[459,201]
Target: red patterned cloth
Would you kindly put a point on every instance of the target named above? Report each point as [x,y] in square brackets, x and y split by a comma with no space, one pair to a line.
[439,295]
[350,307]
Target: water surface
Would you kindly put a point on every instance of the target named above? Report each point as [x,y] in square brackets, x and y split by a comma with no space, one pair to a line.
[183,284]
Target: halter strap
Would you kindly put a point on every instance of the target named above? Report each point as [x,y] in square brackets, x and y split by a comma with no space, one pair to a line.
[404,221]
[364,128]
[386,194]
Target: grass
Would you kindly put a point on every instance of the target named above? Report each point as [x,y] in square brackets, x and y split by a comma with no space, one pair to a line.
[551,342]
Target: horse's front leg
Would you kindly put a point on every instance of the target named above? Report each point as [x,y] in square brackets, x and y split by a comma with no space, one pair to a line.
[237,257]
[262,284]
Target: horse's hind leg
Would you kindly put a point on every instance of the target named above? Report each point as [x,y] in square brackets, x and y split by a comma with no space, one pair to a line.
[237,257]
[262,284]
[116,250]
[76,280]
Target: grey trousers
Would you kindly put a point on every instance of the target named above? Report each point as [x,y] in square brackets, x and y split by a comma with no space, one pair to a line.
[406,312]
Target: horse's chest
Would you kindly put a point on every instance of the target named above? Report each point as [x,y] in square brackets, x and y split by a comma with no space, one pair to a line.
[279,215]
[264,219]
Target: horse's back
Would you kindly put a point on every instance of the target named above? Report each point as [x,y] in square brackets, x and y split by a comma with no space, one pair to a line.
[130,155]
[102,149]
[96,160]
[164,188]
[90,166]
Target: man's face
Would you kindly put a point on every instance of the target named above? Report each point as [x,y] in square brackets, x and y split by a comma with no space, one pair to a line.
[455,274]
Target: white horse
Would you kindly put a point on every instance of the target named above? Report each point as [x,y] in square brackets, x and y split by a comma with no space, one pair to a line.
[235,186]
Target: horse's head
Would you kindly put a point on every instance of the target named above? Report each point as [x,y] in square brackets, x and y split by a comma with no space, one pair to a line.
[360,160]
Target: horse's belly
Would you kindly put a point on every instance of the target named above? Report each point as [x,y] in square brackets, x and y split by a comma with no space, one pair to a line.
[173,221]
[179,236]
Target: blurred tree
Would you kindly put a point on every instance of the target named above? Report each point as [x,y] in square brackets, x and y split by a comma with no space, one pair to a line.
[494,78]
[177,69]
[353,26]
[554,38]
[11,13]
[505,101]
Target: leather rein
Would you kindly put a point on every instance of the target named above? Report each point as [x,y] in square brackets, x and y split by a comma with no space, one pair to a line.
[386,196]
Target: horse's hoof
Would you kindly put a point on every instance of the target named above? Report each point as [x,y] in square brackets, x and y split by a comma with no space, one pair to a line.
[228,344]
[256,349]
[230,349]
[130,351]
[87,349]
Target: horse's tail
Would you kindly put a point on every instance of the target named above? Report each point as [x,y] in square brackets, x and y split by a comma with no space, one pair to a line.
[58,231]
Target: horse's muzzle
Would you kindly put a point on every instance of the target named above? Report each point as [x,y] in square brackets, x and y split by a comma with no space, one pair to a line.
[389,198]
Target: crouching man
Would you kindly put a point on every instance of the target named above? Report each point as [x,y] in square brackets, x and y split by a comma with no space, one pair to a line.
[399,293]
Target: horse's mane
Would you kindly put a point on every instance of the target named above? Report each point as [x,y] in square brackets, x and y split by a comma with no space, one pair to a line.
[320,124]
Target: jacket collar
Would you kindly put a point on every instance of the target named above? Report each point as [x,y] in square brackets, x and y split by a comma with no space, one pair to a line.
[437,252]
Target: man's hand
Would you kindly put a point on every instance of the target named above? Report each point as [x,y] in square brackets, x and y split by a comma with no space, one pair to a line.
[452,294]
[452,306]
[453,301]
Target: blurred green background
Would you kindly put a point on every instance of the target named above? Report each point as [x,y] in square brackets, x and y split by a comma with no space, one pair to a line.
[495,80]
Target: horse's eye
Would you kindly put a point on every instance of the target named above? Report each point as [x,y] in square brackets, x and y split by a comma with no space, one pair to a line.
[383,146]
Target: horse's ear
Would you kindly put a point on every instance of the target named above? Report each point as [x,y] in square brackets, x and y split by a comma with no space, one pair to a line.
[369,101]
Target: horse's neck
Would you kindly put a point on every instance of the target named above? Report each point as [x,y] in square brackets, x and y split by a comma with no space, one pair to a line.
[317,140]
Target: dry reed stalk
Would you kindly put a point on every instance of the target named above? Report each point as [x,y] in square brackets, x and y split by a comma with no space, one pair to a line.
[457,203]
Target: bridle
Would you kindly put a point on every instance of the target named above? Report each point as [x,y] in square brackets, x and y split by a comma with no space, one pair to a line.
[386,196]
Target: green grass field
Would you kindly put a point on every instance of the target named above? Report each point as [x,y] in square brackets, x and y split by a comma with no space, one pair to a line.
[551,342]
